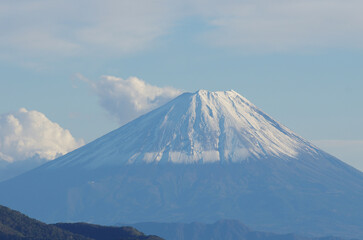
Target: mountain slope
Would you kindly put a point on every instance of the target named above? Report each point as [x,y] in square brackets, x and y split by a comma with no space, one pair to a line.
[11,169]
[203,156]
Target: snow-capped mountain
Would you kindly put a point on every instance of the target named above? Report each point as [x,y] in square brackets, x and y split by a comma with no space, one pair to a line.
[201,127]
[203,157]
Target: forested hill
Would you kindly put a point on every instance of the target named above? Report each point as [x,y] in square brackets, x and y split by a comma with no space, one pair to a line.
[17,226]
[98,232]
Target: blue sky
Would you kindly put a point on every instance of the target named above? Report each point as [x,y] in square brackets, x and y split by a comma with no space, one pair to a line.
[299,61]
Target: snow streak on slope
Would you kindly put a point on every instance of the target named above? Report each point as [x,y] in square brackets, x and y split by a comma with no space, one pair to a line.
[199,127]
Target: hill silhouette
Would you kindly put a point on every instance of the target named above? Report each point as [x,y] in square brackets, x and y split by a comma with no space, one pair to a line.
[17,226]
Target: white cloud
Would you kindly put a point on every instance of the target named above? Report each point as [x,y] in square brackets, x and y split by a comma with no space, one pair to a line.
[30,134]
[129,98]
[283,25]
[41,27]
[349,151]
[82,27]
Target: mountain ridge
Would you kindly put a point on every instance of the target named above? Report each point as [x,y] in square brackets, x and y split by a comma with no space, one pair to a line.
[220,230]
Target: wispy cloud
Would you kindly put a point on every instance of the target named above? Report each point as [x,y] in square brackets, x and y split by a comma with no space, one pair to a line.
[30,134]
[126,99]
[82,27]
[283,25]
[41,27]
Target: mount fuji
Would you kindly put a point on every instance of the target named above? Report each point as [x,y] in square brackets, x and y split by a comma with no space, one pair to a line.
[203,156]
[203,127]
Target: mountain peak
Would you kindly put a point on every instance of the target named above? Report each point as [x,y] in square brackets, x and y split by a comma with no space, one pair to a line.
[203,92]
[200,127]
[229,94]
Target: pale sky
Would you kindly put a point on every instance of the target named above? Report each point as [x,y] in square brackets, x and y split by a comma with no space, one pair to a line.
[90,66]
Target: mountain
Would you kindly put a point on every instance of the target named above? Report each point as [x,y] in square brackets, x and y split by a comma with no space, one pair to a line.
[220,230]
[16,226]
[203,157]
[197,127]
[11,169]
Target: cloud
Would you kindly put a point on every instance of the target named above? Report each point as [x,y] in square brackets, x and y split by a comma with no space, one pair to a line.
[31,135]
[82,27]
[349,151]
[126,99]
[47,29]
[283,25]
[111,27]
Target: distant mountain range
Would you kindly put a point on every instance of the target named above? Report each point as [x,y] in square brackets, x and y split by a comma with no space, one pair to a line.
[220,230]
[16,226]
[202,157]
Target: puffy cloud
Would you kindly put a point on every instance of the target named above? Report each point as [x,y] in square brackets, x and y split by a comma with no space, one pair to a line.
[31,135]
[129,98]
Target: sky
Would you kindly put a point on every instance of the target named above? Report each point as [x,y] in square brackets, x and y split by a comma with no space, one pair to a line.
[85,68]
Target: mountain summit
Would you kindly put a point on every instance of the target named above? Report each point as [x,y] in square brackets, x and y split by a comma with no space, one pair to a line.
[201,127]
[202,157]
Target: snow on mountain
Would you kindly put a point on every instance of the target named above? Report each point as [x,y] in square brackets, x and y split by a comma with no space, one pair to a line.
[199,127]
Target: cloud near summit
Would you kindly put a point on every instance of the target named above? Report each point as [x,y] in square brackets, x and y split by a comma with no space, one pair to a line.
[30,134]
[126,99]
